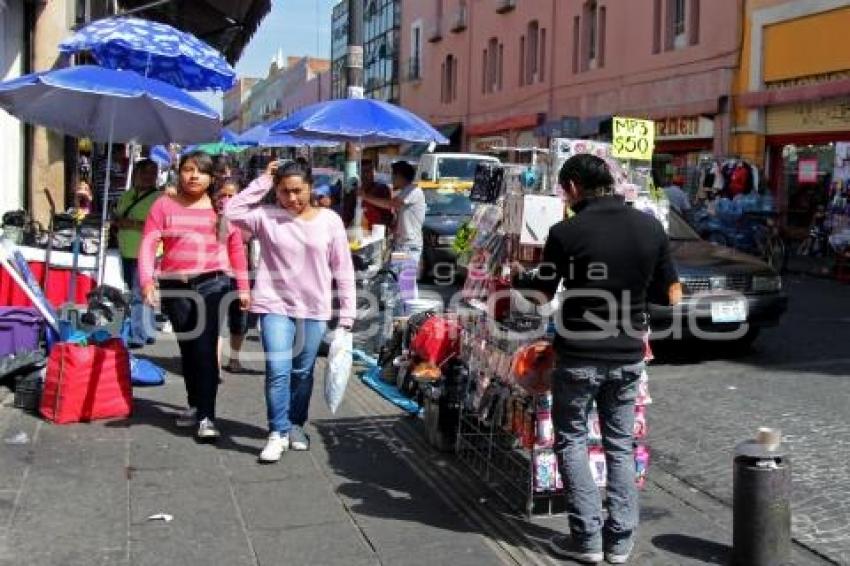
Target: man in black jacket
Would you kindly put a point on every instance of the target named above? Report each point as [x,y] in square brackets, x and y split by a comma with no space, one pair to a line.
[611,260]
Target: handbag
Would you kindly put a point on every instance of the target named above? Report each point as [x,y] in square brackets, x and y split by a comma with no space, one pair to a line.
[87,383]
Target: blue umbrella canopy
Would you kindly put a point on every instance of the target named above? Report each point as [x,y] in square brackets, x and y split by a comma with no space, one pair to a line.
[107,105]
[259,135]
[360,120]
[161,155]
[153,50]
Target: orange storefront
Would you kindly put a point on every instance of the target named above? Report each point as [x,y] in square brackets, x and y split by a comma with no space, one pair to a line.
[796,102]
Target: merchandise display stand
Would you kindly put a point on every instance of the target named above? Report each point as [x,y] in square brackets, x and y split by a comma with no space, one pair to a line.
[496,412]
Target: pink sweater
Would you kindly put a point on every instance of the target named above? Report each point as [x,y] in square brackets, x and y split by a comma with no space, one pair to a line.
[190,245]
[299,259]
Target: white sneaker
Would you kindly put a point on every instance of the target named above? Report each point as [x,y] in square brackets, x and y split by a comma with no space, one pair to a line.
[298,439]
[275,447]
[187,418]
[207,430]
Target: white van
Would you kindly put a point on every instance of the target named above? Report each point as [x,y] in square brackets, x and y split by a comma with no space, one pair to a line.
[449,170]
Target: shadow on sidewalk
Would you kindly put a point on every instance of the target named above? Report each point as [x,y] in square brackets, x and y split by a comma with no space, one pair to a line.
[377,478]
[147,412]
[694,548]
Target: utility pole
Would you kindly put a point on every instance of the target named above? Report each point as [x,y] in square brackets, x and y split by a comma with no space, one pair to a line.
[354,74]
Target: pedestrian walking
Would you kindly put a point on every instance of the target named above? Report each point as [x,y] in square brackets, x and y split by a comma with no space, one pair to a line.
[200,255]
[239,320]
[408,202]
[131,210]
[303,249]
[611,259]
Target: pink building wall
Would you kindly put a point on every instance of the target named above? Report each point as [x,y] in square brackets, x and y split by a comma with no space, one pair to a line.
[693,80]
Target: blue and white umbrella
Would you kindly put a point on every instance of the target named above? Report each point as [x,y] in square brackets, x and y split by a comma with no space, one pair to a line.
[109,106]
[259,135]
[153,50]
[359,120]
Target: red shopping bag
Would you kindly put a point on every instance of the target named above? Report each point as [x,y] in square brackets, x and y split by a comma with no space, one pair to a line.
[437,340]
[87,383]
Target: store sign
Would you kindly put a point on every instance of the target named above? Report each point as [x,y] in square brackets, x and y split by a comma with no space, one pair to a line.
[526,139]
[807,171]
[633,138]
[684,128]
[486,145]
[810,80]
[806,117]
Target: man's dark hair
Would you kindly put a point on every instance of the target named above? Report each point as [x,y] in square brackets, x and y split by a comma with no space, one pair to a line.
[143,163]
[589,172]
[404,169]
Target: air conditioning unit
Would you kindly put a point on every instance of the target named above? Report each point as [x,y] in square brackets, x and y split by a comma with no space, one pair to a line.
[503,6]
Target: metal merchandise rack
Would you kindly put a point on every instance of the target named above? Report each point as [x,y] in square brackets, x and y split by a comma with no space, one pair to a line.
[493,455]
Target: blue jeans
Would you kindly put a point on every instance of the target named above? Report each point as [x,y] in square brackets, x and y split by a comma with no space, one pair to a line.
[614,387]
[291,346]
[142,323]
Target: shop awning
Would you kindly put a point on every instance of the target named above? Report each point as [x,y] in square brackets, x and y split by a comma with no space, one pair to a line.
[592,126]
[227,25]
[792,95]
[521,122]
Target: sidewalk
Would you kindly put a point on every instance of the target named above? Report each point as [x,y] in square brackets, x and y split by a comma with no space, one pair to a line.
[369,492]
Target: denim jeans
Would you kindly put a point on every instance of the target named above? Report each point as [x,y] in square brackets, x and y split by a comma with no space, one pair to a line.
[195,314]
[291,346]
[142,323]
[614,387]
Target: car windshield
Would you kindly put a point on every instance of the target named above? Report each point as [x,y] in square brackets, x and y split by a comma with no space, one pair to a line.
[680,229]
[448,204]
[454,168]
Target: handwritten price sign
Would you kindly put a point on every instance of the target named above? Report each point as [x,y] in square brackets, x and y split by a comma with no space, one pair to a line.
[633,138]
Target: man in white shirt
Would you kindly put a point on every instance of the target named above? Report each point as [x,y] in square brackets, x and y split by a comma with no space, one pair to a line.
[408,202]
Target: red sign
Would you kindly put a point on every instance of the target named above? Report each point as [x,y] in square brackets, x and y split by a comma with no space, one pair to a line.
[807,171]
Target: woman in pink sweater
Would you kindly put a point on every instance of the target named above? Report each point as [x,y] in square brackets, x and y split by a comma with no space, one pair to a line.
[200,254]
[303,249]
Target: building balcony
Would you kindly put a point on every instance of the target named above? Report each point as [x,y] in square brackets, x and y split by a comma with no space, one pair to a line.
[412,70]
[435,30]
[504,6]
[459,19]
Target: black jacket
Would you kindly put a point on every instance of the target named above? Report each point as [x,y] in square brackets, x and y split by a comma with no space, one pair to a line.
[612,260]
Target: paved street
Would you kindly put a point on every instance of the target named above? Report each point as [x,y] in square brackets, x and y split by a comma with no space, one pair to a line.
[797,378]
[372,492]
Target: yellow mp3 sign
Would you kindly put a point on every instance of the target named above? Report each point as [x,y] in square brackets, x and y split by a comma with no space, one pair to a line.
[633,138]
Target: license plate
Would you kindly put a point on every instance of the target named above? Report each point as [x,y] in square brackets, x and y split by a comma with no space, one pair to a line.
[729,311]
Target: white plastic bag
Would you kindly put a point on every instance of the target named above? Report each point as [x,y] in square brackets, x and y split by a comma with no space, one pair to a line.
[339,367]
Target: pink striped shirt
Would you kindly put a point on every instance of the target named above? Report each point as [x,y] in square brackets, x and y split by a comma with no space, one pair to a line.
[190,244]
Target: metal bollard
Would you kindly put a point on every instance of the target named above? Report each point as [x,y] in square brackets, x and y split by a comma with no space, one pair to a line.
[761,513]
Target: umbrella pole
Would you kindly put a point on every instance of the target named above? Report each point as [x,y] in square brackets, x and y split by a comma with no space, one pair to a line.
[101,253]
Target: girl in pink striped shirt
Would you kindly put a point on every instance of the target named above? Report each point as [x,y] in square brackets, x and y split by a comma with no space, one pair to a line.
[201,251]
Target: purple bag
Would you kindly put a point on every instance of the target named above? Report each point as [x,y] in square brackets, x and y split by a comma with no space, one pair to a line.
[19,329]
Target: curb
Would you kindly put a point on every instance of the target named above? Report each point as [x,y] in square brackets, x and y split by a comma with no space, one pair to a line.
[719,512]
